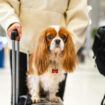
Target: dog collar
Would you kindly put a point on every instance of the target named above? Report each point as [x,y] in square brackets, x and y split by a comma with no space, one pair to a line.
[54,70]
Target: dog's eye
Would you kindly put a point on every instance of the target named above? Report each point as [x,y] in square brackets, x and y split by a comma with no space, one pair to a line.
[63,37]
[50,37]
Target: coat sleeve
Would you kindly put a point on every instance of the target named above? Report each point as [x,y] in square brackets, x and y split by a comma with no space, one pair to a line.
[77,21]
[9,12]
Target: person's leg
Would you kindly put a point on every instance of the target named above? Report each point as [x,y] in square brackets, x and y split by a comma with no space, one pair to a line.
[22,75]
[62,88]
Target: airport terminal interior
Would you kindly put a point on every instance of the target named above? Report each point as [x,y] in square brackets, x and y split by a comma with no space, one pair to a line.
[84,86]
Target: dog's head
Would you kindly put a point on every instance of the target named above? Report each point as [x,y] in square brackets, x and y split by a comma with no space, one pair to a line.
[54,39]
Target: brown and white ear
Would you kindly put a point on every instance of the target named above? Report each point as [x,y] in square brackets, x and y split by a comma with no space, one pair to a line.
[40,58]
[69,58]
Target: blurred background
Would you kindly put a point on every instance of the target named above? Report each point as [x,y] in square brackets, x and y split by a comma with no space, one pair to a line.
[85,86]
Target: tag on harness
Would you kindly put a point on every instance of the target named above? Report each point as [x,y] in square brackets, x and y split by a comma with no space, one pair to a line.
[54,70]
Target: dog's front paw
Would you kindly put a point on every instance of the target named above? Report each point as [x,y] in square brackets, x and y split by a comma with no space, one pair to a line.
[55,99]
[35,99]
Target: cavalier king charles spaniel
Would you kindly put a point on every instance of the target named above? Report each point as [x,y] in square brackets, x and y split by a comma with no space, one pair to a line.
[53,56]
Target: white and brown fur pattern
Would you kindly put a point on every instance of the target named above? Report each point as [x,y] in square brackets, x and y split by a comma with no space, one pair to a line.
[46,56]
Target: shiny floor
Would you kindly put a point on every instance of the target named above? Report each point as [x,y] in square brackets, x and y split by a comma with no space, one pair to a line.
[85,86]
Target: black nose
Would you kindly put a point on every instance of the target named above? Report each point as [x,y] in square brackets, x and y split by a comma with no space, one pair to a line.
[57,41]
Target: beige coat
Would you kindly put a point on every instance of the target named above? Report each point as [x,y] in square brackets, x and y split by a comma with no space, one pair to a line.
[35,15]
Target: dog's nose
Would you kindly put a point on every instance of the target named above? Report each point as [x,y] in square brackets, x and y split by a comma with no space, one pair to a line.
[57,41]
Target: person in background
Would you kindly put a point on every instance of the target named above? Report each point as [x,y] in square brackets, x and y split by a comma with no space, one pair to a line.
[98,48]
[30,17]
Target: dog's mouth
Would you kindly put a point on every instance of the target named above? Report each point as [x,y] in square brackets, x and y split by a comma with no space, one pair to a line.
[57,50]
[57,46]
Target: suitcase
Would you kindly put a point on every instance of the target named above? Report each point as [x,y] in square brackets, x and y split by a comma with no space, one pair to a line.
[25,100]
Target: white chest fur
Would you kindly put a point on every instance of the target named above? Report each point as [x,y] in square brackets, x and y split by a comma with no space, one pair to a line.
[50,80]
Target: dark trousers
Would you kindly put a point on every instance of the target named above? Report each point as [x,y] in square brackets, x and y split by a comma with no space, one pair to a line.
[22,78]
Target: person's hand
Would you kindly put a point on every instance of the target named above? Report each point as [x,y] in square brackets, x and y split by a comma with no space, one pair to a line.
[14,26]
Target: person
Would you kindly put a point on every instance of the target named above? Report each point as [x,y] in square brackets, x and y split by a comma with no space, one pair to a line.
[99,52]
[30,17]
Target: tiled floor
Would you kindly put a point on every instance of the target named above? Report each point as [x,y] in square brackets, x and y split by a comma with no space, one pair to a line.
[5,84]
[85,86]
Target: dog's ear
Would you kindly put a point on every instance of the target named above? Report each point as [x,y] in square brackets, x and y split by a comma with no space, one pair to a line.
[40,58]
[69,58]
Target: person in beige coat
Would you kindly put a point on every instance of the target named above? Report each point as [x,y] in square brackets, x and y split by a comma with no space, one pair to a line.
[30,17]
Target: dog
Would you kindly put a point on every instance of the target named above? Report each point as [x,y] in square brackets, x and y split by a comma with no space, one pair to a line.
[53,56]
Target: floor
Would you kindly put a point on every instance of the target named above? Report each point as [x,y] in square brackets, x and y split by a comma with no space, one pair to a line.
[85,86]
[5,84]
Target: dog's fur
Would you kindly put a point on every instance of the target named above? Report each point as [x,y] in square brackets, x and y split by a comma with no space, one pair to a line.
[54,50]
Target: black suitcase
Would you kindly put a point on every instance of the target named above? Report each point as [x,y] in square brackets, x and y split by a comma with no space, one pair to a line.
[25,100]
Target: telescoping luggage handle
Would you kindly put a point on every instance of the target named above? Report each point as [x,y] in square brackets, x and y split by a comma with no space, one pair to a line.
[15,67]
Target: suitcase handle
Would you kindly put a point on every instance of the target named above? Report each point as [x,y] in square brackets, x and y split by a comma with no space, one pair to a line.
[14,34]
[15,67]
